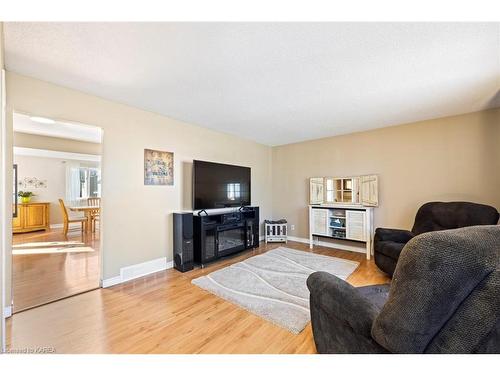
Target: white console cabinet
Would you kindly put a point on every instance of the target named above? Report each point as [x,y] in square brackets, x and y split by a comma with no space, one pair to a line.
[342,222]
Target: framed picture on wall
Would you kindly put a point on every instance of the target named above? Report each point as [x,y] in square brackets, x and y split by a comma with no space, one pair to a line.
[158,167]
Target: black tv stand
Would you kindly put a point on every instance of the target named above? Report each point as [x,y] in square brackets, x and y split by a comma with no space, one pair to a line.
[220,234]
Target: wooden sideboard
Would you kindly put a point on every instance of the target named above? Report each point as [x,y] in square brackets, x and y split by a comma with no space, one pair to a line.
[31,217]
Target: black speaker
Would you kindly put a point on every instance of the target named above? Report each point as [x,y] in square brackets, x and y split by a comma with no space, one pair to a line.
[183,241]
[256,227]
[252,228]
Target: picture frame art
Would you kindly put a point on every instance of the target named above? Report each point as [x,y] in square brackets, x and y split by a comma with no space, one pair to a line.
[158,167]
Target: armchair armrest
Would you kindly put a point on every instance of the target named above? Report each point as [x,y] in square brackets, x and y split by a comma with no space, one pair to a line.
[395,235]
[339,299]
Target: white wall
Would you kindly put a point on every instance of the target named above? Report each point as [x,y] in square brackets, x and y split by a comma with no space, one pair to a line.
[53,171]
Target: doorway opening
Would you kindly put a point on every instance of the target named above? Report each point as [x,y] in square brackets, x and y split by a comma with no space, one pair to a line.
[56,241]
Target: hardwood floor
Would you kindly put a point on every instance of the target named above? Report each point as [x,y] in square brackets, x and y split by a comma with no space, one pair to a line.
[43,278]
[165,313]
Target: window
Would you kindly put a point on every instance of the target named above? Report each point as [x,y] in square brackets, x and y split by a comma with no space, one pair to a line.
[82,182]
[233,191]
[90,183]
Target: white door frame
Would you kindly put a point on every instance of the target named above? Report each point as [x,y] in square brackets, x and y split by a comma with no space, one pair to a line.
[6,201]
[3,204]
[64,155]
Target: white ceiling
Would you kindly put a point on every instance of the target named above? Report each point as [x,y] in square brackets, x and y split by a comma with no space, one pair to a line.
[275,83]
[60,129]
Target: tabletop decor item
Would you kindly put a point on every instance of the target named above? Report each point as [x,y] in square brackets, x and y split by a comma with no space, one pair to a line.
[25,196]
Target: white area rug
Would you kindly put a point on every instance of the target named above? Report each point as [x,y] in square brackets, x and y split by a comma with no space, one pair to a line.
[273,285]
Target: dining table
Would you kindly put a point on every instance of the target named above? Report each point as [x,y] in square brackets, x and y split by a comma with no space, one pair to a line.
[88,212]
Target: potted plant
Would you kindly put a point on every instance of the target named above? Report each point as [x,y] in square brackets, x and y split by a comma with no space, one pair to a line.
[25,196]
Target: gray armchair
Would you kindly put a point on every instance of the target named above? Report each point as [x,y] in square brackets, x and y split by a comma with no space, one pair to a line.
[431,216]
[444,298]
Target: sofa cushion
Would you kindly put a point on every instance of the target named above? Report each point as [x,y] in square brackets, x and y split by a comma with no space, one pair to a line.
[376,294]
[390,249]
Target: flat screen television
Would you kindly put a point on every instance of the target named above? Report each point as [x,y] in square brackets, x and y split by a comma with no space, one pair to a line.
[218,185]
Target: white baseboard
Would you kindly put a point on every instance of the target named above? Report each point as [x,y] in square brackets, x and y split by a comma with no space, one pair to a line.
[297,239]
[7,312]
[106,283]
[138,270]
[330,244]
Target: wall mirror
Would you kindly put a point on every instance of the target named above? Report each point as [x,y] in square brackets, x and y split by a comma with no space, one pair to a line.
[357,190]
[316,190]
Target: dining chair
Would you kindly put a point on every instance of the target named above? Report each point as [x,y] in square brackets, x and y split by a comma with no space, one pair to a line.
[68,220]
[94,201]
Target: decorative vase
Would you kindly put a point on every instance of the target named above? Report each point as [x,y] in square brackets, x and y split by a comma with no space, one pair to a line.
[25,199]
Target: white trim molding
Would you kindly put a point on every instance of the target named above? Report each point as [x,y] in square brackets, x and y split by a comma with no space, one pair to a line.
[331,245]
[5,201]
[26,123]
[7,312]
[106,283]
[25,151]
[138,270]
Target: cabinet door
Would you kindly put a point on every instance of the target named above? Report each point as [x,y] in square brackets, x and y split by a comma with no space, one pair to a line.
[316,190]
[17,222]
[320,221]
[35,216]
[355,190]
[356,225]
[369,190]
[209,243]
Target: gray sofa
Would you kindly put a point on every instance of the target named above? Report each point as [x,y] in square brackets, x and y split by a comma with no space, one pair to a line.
[432,216]
[444,298]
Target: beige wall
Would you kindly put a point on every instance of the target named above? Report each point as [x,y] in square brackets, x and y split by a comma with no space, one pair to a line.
[53,171]
[454,158]
[55,144]
[137,219]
